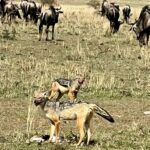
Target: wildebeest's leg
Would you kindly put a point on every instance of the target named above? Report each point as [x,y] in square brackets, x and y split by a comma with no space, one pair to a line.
[144,36]
[53,32]
[35,19]
[126,19]
[3,14]
[40,31]
[110,27]
[18,14]
[141,39]
[46,31]
[24,14]
[26,20]
[3,17]
[10,19]
[26,17]
[147,36]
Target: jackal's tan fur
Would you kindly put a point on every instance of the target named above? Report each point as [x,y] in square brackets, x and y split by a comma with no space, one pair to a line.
[81,112]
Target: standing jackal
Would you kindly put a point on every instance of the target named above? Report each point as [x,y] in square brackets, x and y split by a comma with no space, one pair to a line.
[82,112]
[65,86]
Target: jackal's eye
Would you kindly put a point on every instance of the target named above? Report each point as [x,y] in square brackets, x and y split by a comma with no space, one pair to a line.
[46,95]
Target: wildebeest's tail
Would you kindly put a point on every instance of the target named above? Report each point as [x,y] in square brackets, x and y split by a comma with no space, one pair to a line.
[103,113]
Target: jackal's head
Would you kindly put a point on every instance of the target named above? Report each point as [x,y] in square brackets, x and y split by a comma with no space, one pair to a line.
[40,98]
[81,78]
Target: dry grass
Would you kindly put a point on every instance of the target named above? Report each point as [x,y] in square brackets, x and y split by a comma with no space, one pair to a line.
[117,78]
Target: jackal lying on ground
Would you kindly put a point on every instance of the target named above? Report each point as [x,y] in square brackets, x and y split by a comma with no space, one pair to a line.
[65,86]
[82,112]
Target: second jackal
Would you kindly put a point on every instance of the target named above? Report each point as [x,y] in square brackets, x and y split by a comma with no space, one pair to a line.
[65,86]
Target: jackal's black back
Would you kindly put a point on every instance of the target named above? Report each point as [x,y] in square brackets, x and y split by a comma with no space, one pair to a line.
[64,82]
[61,105]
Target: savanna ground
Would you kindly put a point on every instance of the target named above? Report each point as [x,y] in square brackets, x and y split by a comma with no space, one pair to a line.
[118,78]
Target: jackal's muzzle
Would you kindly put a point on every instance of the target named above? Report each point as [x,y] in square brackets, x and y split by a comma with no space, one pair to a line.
[39,100]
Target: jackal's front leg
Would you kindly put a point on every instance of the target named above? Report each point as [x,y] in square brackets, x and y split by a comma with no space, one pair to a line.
[52,131]
[53,94]
[57,125]
[40,31]
[72,95]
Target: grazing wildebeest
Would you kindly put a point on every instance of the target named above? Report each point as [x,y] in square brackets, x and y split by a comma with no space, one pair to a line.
[29,9]
[49,18]
[112,15]
[142,26]
[12,11]
[126,13]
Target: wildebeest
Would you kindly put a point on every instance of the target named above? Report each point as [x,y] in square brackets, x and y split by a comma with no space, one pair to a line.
[111,11]
[112,15]
[12,11]
[126,13]
[49,18]
[29,9]
[142,26]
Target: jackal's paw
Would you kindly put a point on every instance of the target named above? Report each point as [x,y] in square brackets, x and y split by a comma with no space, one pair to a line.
[78,144]
[48,141]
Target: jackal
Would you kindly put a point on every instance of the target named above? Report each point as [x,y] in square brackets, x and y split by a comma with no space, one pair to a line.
[82,112]
[65,86]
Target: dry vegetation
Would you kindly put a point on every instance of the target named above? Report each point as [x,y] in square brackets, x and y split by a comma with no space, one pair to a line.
[117,78]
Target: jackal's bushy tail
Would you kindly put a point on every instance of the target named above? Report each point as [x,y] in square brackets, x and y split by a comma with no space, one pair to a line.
[103,113]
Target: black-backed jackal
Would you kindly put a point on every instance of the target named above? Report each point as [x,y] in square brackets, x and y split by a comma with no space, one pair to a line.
[64,86]
[82,112]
